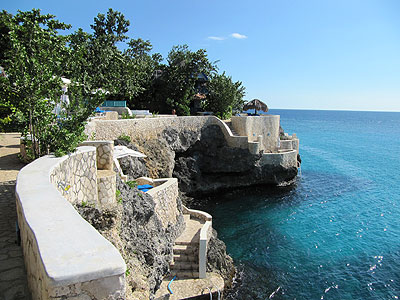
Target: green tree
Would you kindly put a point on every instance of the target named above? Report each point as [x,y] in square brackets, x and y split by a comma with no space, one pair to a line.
[98,63]
[5,42]
[224,96]
[181,75]
[140,67]
[33,64]
[173,85]
[145,67]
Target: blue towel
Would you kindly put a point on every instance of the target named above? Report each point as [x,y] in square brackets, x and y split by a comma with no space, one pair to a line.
[144,187]
[98,110]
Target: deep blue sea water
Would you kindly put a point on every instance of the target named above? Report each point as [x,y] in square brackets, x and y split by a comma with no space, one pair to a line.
[335,234]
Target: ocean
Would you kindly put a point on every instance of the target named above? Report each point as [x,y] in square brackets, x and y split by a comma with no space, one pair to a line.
[335,234]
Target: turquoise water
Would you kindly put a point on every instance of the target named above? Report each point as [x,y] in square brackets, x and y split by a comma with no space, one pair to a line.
[336,233]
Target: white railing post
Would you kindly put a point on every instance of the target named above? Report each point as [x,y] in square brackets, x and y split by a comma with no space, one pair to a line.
[202,258]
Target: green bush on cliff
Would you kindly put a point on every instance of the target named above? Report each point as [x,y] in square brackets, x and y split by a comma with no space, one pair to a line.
[225,96]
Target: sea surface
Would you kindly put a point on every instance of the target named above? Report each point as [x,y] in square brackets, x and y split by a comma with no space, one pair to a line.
[335,234]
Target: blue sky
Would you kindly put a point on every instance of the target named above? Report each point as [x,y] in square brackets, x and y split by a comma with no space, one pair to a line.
[332,54]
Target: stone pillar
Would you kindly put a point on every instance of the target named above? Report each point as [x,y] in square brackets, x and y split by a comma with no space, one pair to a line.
[105,152]
[106,186]
[254,147]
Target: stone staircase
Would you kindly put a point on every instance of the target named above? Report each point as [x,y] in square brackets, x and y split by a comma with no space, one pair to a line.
[229,123]
[185,263]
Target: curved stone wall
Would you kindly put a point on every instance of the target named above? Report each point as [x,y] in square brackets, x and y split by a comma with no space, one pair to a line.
[204,237]
[65,257]
[151,127]
[75,177]
[249,128]
[286,159]
[164,193]
[252,127]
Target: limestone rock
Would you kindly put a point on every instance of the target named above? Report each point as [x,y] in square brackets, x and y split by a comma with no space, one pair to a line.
[134,228]
[203,162]
[218,261]
[210,165]
[143,235]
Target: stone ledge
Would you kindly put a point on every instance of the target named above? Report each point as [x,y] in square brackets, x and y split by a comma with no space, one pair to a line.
[69,250]
[285,159]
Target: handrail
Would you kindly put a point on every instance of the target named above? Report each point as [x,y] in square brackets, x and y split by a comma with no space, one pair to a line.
[169,285]
[210,293]
[197,213]
[204,237]
[219,293]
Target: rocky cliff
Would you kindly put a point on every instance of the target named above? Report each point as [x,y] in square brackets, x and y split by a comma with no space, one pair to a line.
[146,246]
[203,162]
[134,228]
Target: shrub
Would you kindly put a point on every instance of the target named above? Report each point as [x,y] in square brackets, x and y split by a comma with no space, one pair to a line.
[125,138]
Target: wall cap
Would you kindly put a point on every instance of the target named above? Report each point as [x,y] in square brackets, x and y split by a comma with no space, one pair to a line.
[70,249]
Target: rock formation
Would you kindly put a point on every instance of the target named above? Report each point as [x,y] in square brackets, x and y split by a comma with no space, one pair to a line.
[134,228]
[204,163]
[218,261]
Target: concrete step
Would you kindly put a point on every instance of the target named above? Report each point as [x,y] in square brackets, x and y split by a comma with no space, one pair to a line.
[185,274]
[185,257]
[231,128]
[186,265]
[194,243]
[184,249]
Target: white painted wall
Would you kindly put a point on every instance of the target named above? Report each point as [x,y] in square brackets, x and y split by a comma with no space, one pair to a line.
[253,126]
[65,257]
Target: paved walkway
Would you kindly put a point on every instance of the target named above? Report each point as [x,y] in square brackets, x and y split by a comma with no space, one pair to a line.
[186,288]
[13,284]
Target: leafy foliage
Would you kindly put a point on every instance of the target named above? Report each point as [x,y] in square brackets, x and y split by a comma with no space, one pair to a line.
[35,56]
[96,61]
[132,184]
[174,86]
[33,65]
[225,96]
[125,138]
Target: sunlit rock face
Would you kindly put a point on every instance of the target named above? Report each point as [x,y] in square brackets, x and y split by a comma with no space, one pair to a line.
[204,163]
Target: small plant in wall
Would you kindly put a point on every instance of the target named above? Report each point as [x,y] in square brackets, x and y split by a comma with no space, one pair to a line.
[93,136]
[126,116]
[118,196]
[125,138]
[132,184]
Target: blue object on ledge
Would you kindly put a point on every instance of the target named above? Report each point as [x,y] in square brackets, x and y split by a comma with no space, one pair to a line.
[144,187]
[98,110]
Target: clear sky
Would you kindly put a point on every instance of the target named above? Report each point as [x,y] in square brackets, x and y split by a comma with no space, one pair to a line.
[322,54]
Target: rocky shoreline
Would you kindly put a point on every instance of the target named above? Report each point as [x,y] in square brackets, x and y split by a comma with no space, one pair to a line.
[133,227]
[204,164]
[202,161]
